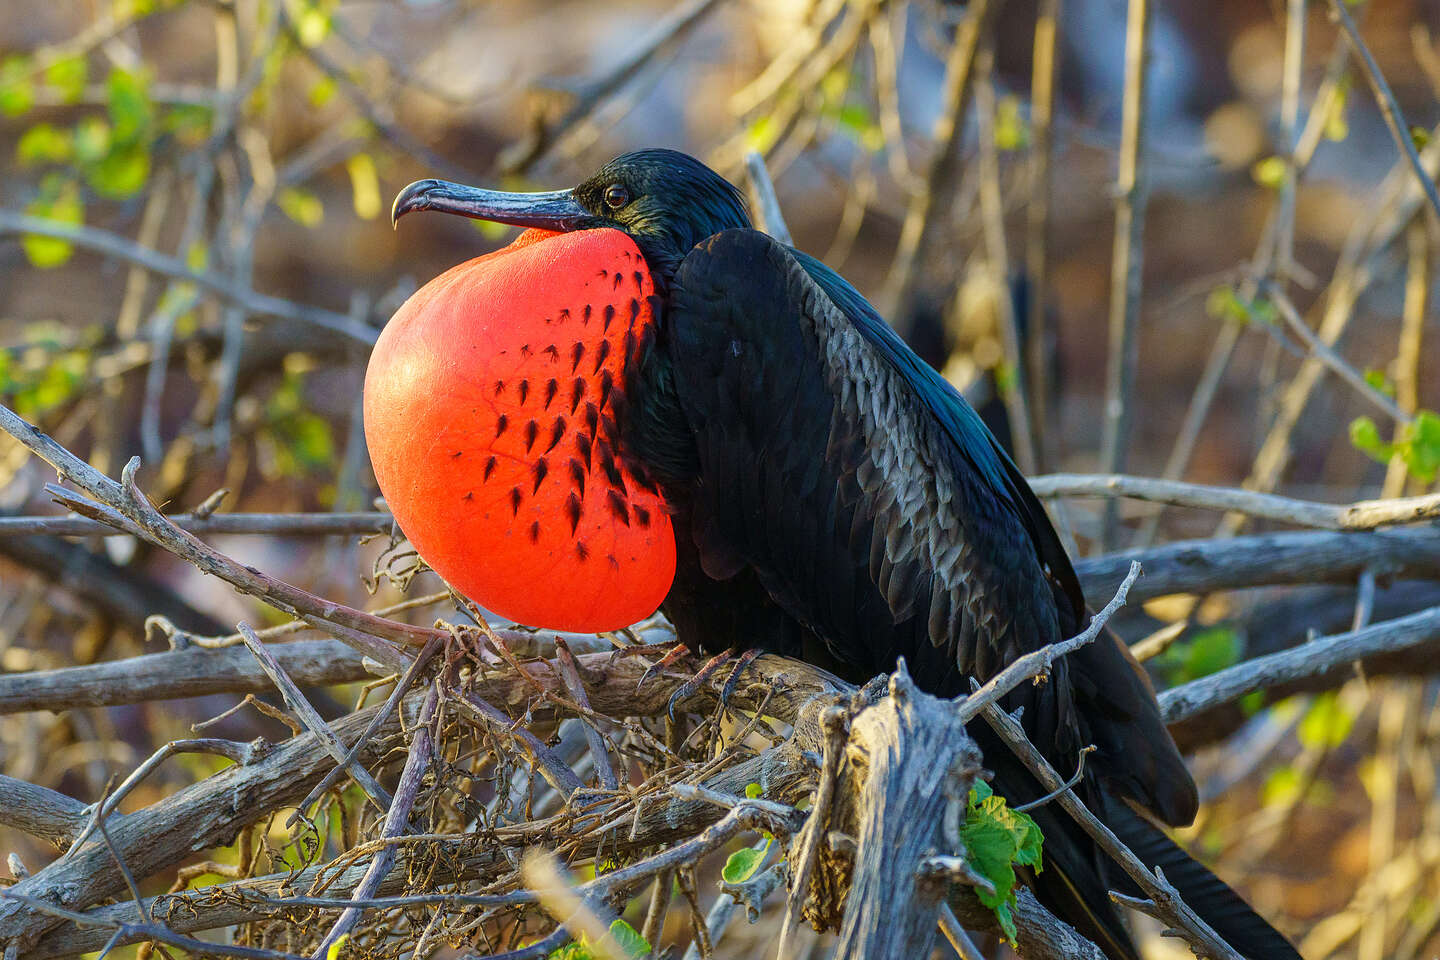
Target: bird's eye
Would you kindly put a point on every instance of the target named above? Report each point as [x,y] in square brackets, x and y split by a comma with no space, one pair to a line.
[616,196]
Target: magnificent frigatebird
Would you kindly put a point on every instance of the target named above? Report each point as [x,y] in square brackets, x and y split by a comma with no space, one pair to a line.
[646,398]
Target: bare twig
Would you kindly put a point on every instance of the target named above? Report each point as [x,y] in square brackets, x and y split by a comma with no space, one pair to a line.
[126,508]
[1315,658]
[1125,264]
[188,672]
[1013,389]
[139,932]
[306,713]
[40,811]
[928,204]
[1329,357]
[262,524]
[1385,100]
[1295,14]
[121,248]
[598,752]
[402,687]
[1038,662]
[417,763]
[772,219]
[835,722]
[1163,896]
[1037,211]
[668,30]
[240,753]
[1361,515]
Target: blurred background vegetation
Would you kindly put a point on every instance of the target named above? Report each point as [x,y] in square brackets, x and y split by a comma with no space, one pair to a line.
[231,164]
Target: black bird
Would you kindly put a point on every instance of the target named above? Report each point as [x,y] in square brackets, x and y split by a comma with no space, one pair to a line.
[837,500]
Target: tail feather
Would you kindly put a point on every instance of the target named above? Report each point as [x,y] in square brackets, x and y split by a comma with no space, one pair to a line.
[1202,891]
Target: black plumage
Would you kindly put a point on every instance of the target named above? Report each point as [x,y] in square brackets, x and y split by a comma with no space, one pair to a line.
[837,500]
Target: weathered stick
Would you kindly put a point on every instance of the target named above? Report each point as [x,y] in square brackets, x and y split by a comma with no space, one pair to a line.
[1361,515]
[916,760]
[264,524]
[1317,657]
[1131,193]
[417,762]
[40,811]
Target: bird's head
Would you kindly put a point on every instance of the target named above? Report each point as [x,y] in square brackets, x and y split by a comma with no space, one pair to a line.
[665,200]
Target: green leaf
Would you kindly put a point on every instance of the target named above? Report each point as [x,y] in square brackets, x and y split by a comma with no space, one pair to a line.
[334,952]
[1337,128]
[1207,651]
[17,89]
[68,76]
[311,440]
[364,185]
[1281,787]
[1223,303]
[312,26]
[1262,310]
[53,385]
[322,91]
[1378,380]
[1270,172]
[1212,651]
[629,939]
[189,121]
[1420,137]
[997,838]
[763,134]
[752,791]
[92,140]
[197,258]
[1421,451]
[129,104]
[1011,133]
[302,206]
[43,143]
[743,863]
[59,201]
[1365,437]
[1326,724]
[494,232]
[1005,379]
[121,172]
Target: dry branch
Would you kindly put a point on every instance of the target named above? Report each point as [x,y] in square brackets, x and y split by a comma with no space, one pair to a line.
[122,248]
[267,524]
[1131,192]
[40,811]
[188,672]
[1361,515]
[916,763]
[1201,566]
[1315,658]
[1389,109]
[1205,566]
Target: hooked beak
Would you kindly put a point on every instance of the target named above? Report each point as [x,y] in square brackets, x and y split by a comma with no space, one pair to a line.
[553,210]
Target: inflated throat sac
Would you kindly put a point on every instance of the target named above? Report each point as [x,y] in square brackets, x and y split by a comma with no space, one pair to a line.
[491,407]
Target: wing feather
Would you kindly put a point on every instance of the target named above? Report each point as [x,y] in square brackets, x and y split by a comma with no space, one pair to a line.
[875,508]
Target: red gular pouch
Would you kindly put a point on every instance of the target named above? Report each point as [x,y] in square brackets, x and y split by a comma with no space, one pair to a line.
[491,402]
